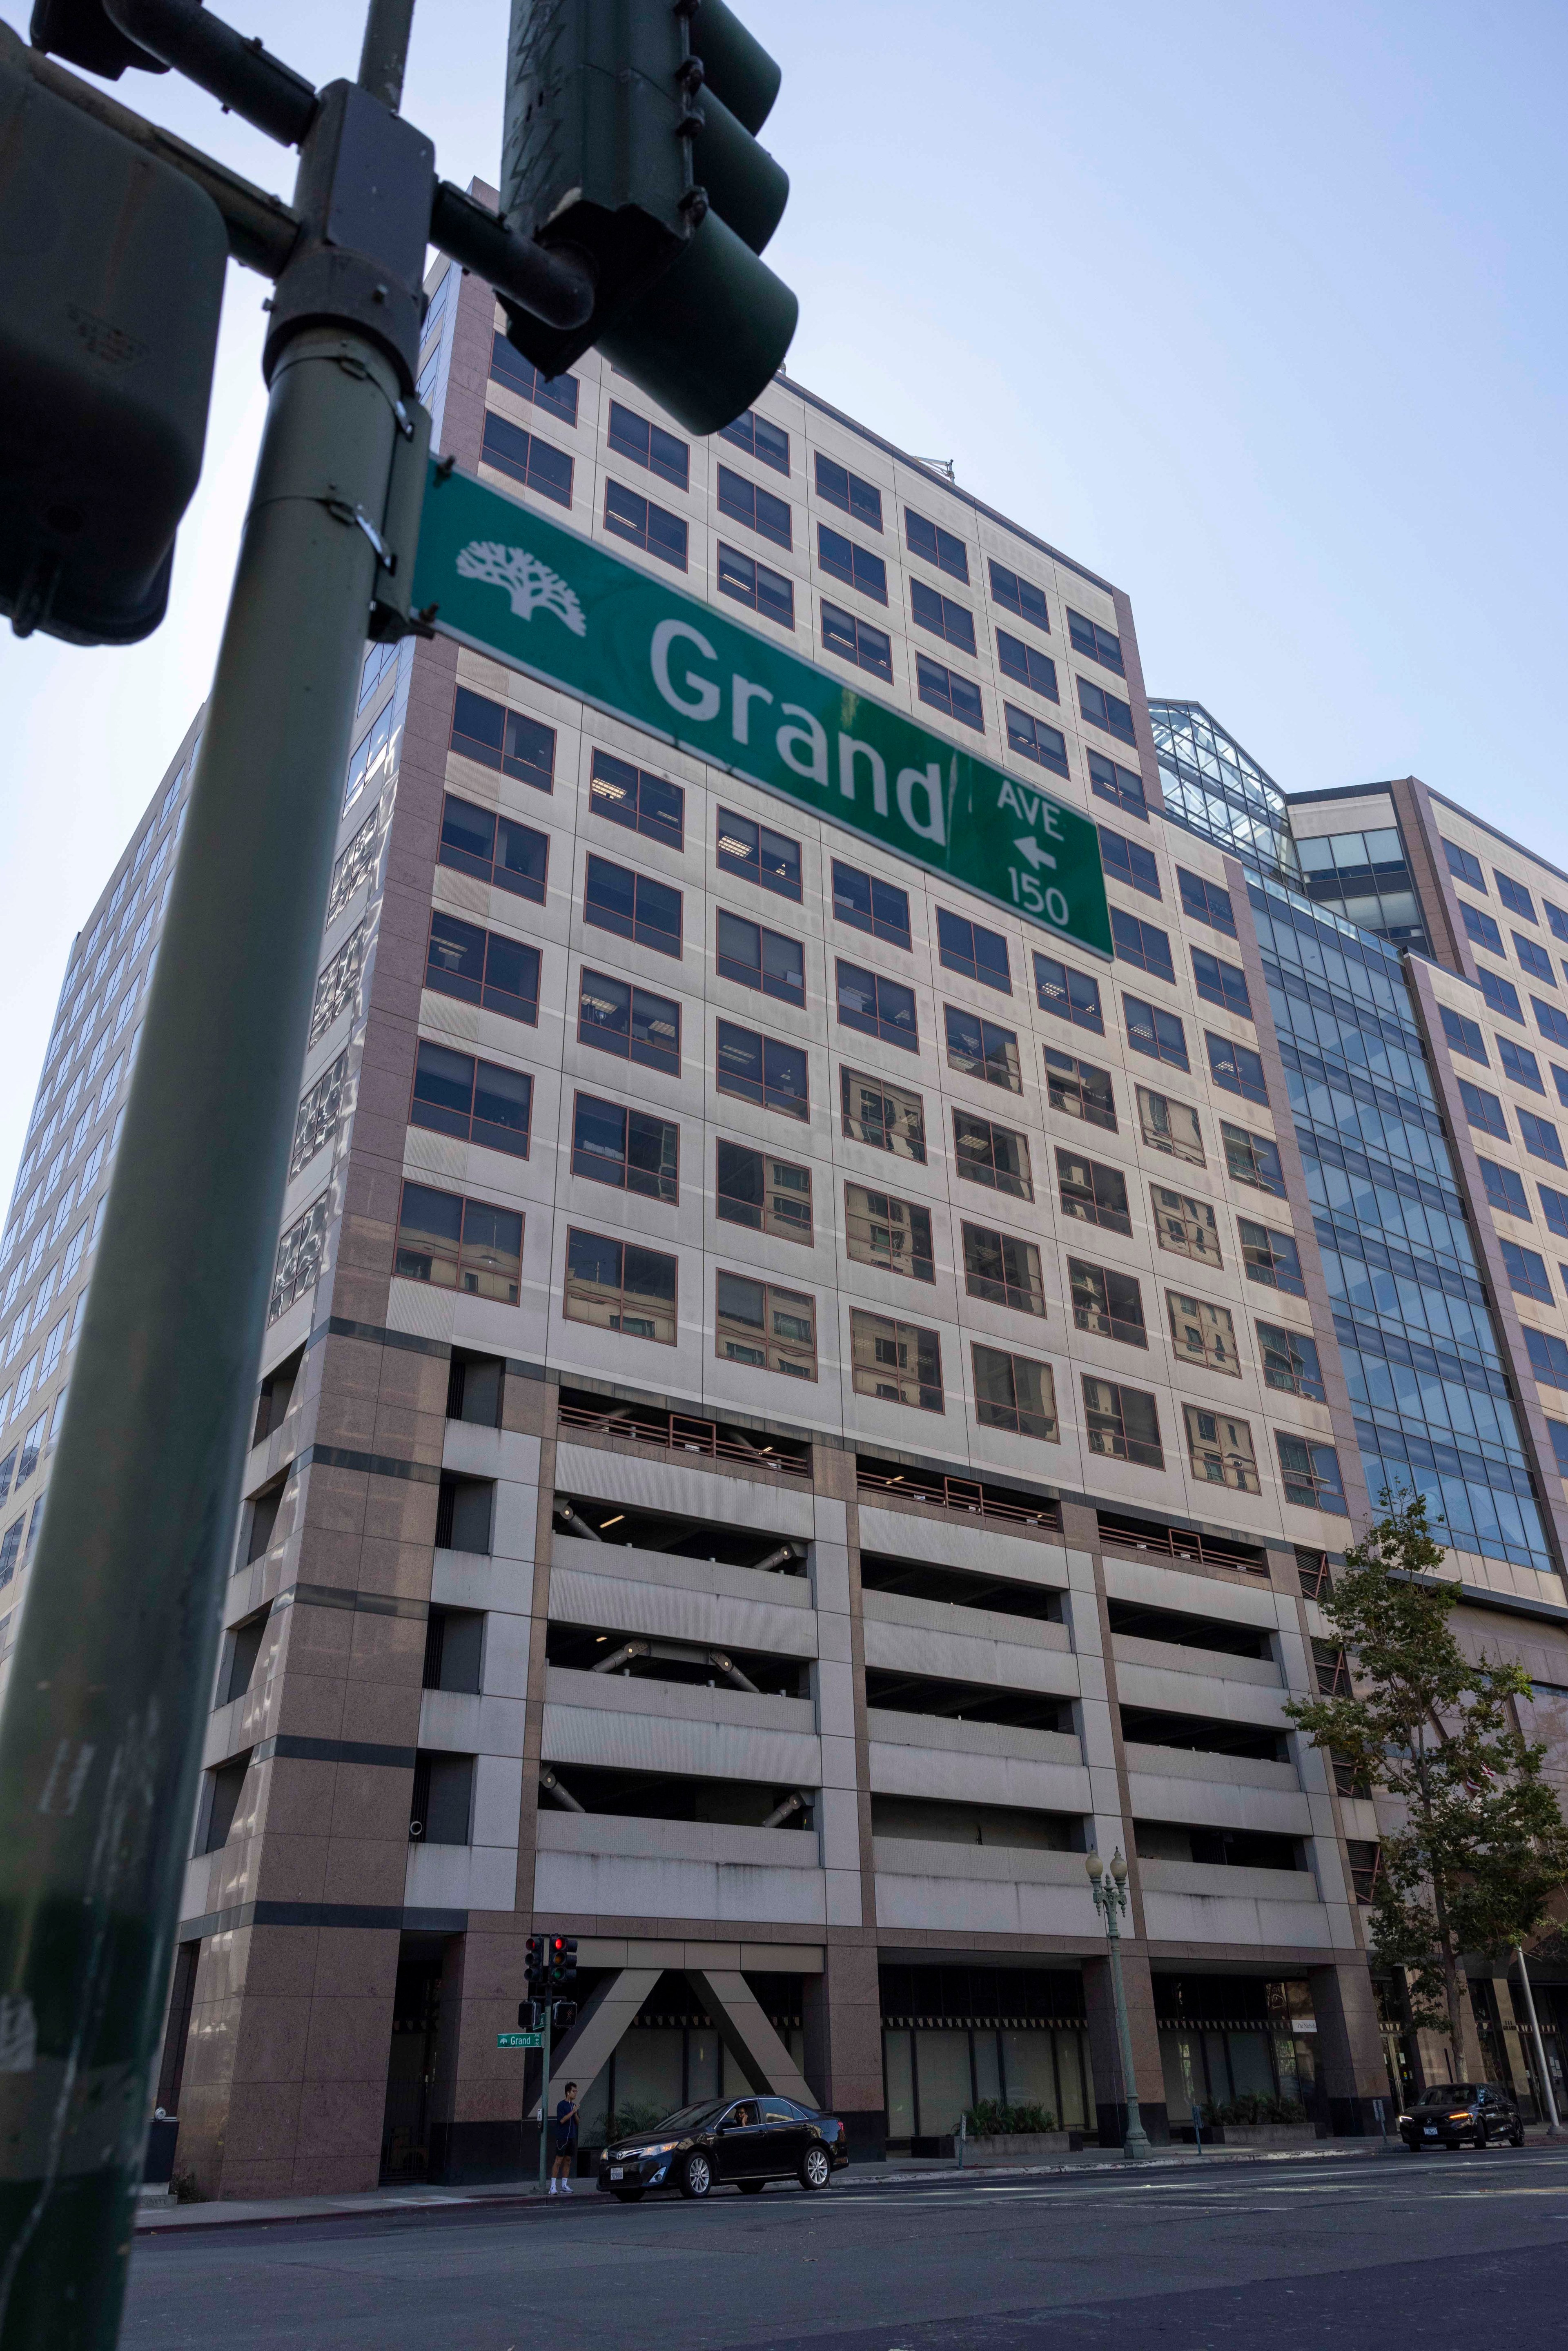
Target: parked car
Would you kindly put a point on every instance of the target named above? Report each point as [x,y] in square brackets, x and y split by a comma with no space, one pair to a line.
[1457,2111]
[744,2141]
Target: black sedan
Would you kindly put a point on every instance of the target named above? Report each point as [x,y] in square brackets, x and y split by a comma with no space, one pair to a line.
[1456,2111]
[747,2141]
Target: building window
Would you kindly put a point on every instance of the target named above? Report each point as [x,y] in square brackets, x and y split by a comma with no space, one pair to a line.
[474,1100]
[1534,960]
[1123,786]
[1032,738]
[1035,670]
[1464,1036]
[633,905]
[1520,1064]
[1002,1270]
[1202,1332]
[748,502]
[1291,1362]
[987,1153]
[455,1243]
[1143,944]
[1557,920]
[1015,1393]
[983,1050]
[355,866]
[1219,1448]
[1107,710]
[1309,1474]
[765,1193]
[934,545]
[756,854]
[298,1265]
[945,690]
[870,904]
[842,488]
[952,621]
[335,992]
[1481,928]
[1221,983]
[856,641]
[1463,866]
[628,515]
[1252,1159]
[772,1330]
[1122,1424]
[881,1006]
[1271,1257]
[555,392]
[480,966]
[1100,644]
[1159,1034]
[1551,1023]
[1539,1137]
[1128,861]
[751,584]
[527,459]
[1502,995]
[760,959]
[1526,1271]
[618,1286]
[896,1361]
[760,1070]
[1237,1068]
[760,438]
[1205,902]
[1504,1188]
[630,1021]
[1483,1110]
[629,1149]
[1071,995]
[895,1234]
[855,565]
[642,803]
[970,949]
[507,740]
[1548,1357]
[1514,895]
[1093,1193]
[649,444]
[887,1118]
[493,848]
[1553,1207]
[1079,1090]
[1185,1224]
[1111,1304]
[315,1123]
[1020,596]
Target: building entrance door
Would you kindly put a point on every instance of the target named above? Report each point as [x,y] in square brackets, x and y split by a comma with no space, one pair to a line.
[411,2070]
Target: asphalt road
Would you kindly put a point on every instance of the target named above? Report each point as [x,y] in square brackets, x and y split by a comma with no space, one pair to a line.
[1448,2251]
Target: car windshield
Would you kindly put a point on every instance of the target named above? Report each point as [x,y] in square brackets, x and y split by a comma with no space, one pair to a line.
[685,2119]
[1457,2093]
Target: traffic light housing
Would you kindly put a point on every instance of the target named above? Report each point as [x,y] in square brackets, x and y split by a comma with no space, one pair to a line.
[81,32]
[562,1962]
[536,1963]
[111,275]
[630,139]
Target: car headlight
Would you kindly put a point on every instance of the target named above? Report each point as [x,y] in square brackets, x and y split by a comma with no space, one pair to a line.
[1402,2120]
[665,2147]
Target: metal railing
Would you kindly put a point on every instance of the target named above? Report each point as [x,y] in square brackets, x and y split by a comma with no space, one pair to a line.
[681,1431]
[1179,1542]
[966,1494]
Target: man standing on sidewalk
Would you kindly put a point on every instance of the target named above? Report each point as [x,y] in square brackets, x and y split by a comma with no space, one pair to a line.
[565,2142]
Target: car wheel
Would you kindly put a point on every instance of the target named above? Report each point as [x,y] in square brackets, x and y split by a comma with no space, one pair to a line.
[751,2187]
[696,2176]
[627,2195]
[816,2167]
[1516,2135]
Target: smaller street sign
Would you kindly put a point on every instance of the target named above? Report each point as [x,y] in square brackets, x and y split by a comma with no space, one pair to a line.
[519,2040]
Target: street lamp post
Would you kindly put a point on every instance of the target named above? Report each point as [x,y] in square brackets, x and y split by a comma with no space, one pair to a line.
[1553,2128]
[1111,1901]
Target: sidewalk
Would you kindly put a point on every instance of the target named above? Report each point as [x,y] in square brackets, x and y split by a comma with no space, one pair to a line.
[164,2217]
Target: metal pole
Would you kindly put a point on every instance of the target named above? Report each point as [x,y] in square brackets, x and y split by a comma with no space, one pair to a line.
[101,1734]
[544,2097]
[1135,2145]
[385,56]
[1553,2128]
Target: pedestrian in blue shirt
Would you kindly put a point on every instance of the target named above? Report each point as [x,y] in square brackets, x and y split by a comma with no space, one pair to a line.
[565,2143]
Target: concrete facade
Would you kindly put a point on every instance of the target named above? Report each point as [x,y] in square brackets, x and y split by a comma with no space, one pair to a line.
[891,1667]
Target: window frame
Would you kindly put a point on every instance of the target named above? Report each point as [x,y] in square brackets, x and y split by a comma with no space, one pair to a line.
[767,1219]
[862,1225]
[664,1185]
[864,1378]
[777,1354]
[623,1246]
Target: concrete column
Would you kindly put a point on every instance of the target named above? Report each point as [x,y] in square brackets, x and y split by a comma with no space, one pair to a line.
[1351,2068]
[844,2042]
[1104,2050]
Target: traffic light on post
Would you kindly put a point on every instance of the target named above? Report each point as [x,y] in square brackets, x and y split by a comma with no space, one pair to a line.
[562,1962]
[537,1963]
[630,139]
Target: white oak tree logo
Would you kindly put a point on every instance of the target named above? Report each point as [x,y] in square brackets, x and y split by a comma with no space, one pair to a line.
[531,585]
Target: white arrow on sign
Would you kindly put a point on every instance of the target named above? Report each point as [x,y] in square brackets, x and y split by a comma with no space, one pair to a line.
[1026,846]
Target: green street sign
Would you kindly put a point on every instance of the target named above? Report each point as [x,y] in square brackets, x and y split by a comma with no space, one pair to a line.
[503,579]
[519,2040]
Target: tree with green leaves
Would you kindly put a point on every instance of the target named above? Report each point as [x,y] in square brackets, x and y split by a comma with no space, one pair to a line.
[1483,1848]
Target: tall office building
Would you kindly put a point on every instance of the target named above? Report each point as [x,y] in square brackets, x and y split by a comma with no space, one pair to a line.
[794,1406]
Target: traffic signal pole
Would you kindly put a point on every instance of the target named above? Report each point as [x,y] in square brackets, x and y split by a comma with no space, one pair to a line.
[544,2092]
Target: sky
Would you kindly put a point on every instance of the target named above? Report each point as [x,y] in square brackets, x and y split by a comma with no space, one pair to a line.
[1258,310]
